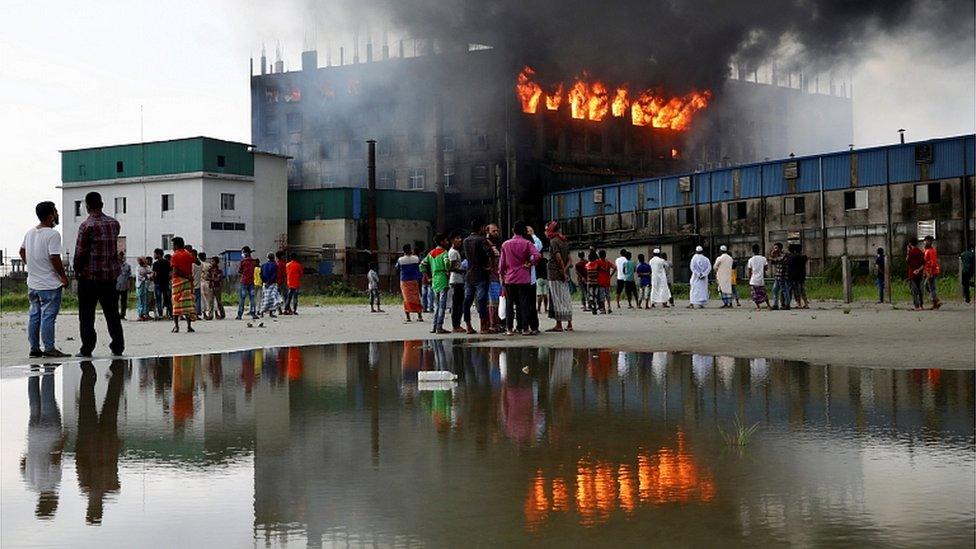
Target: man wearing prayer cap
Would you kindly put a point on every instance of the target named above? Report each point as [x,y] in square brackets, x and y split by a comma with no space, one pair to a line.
[700,267]
[723,276]
[660,293]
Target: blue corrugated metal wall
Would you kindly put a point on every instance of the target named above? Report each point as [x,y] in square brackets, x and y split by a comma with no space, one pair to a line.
[952,157]
[586,203]
[901,164]
[837,171]
[750,181]
[701,187]
[652,194]
[611,199]
[809,180]
[628,198]
[722,186]
[773,181]
[672,196]
[948,158]
[970,153]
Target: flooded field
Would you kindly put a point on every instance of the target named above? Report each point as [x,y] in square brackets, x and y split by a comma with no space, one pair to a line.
[340,444]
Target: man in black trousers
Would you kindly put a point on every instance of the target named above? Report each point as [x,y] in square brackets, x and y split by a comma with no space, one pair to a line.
[96,265]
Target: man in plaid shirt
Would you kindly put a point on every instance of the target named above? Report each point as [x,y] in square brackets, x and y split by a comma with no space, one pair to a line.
[96,265]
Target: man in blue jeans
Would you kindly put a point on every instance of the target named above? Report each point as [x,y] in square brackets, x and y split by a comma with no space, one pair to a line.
[41,253]
[246,272]
[477,251]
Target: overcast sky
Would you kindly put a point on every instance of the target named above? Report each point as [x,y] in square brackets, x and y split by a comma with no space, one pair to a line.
[74,74]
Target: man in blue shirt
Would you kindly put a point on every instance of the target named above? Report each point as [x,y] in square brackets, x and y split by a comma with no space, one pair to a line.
[643,271]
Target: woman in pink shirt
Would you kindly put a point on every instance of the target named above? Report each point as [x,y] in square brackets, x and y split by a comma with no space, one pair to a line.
[514,268]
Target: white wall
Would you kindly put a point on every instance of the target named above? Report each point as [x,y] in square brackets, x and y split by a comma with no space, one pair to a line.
[144,222]
[261,204]
[270,201]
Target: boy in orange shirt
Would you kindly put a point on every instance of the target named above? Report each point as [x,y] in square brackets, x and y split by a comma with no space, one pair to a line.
[293,279]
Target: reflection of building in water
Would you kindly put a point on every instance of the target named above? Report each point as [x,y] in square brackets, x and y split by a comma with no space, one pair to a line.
[342,452]
[599,487]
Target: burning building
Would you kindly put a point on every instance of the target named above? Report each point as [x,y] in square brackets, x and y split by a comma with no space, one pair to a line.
[492,135]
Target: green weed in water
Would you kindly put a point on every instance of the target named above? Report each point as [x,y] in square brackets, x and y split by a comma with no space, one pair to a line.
[740,433]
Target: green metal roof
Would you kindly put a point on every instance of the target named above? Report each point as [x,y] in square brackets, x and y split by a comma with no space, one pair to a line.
[351,203]
[190,155]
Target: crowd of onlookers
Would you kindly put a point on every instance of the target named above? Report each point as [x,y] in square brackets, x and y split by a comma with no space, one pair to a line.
[182,285]
[509,282]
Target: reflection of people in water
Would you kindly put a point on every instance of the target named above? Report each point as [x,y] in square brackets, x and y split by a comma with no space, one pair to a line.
[518,396]
[98,446]
[184,381]
[41,465]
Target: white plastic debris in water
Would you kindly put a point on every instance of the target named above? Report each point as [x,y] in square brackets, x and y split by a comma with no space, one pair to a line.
[436,385]
[436,375]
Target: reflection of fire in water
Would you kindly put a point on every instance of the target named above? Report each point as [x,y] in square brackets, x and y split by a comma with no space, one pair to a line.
[591,99]
[669,475]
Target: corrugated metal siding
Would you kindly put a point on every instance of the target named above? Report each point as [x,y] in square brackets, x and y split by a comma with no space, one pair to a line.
[152,159]
[611,199]
[393,204]
[809,180]
[749,182]
[672,196]
[952,157]
[970,155]
[701,188]
[628,198]
[901,164]
[572,205]
[837,171]
[948,159]
[652,194]
[319,204]
[722,186]
[346,203]
[871,168]
[773,181]
[587,205]
[237,159]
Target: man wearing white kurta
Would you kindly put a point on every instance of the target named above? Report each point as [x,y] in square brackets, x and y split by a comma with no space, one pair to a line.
[723,276]
[659,280]
[700,267]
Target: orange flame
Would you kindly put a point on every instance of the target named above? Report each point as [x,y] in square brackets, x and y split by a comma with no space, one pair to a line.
[528,91]
[591,99]
[675,113]
[577,99]
[620,102]
[598,103]
[669,475]
[555,98]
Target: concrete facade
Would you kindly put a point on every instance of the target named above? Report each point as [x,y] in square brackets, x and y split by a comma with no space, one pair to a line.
[198,208]
[451,120]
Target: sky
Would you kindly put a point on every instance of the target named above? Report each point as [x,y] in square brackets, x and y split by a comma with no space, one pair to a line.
[83,74]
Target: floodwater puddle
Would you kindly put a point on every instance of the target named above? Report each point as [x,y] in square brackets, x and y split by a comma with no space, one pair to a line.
[340,444]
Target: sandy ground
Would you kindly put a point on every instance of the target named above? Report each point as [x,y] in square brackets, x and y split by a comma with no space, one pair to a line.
[868,335]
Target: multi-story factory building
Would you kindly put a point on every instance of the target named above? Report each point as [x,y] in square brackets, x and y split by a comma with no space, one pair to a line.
[491,137]
[845,203]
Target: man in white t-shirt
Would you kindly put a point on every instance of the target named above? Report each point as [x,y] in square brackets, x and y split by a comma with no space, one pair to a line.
[757,275]
[621,263]
[456,280]
[41,253]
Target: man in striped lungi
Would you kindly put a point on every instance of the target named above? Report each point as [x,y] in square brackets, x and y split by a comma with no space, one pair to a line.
[560,302]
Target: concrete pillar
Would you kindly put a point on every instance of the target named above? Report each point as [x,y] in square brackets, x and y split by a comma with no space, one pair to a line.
[845,265]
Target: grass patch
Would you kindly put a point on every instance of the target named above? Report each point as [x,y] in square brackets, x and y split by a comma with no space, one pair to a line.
[740,433]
